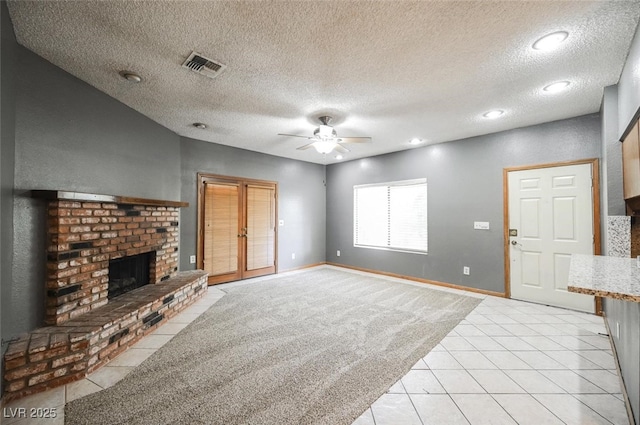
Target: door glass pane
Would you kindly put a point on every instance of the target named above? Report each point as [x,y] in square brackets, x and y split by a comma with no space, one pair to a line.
[261,215]
[221,228]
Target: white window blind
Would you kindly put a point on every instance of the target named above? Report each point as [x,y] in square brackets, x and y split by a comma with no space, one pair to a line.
[391,215]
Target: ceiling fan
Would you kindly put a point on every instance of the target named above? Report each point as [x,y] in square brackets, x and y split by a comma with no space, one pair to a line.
[325,139]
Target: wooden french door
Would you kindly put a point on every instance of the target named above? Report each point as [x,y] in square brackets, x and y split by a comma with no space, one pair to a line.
[236,227]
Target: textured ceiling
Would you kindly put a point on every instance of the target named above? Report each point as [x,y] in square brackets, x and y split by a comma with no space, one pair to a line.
[390,70]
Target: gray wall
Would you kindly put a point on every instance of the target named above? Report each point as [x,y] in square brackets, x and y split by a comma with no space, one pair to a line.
[464,181]
[629,86]
[301,198]
[7,162]
[617,311]
[71,136]
[612,154]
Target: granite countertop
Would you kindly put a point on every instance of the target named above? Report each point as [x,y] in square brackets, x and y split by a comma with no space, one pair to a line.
[612,277]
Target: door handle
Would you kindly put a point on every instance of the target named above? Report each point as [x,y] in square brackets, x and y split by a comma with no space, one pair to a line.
[515,243]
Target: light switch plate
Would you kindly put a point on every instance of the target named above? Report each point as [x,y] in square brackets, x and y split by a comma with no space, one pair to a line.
[481,225]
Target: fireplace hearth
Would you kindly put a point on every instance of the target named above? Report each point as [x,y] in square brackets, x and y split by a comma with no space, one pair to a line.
[112,277]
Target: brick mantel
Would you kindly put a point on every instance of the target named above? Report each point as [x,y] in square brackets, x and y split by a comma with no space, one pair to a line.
[85,231]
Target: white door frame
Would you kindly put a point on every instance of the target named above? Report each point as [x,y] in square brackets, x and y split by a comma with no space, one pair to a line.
[595,167]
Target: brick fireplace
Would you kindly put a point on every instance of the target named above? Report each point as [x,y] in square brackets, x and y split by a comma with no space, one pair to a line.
[112,277]
[86,232]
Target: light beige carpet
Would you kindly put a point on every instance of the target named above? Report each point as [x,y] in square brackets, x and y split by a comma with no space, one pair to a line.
[316,347]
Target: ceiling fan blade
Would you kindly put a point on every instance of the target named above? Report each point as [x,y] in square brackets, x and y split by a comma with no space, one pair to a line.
[355,139]
[341,148]
[301,148]
[295,135]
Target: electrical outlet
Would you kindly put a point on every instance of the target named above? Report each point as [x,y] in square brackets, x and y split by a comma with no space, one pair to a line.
[293,256]
[192,259]
[618,330]
[338,253]
[465,270]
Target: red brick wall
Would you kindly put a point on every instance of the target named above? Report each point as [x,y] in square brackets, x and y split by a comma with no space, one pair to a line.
[84,236]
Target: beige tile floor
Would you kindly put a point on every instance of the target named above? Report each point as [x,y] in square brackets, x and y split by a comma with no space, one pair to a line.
[508,362]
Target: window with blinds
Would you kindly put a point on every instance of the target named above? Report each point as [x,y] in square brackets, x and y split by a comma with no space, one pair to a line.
[391,216]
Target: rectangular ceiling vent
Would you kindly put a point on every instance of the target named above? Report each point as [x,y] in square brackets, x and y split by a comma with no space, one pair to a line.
[205,66]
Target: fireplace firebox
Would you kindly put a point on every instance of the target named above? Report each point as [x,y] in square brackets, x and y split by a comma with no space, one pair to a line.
[129,273]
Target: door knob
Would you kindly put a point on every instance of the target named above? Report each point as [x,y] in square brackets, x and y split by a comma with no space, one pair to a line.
[514,243]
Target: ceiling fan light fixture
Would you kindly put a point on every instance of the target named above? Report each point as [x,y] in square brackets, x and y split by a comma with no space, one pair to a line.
[324,146]
[325,132]
[325,138]
[550,41]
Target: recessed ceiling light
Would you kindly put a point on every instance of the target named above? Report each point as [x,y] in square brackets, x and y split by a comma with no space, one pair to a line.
[415,141]
[339,157]
[493,114]
[199,125]
[556,87]
[130,76]
[551,41]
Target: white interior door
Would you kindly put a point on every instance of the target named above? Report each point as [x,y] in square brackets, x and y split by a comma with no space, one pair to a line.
[551,209]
